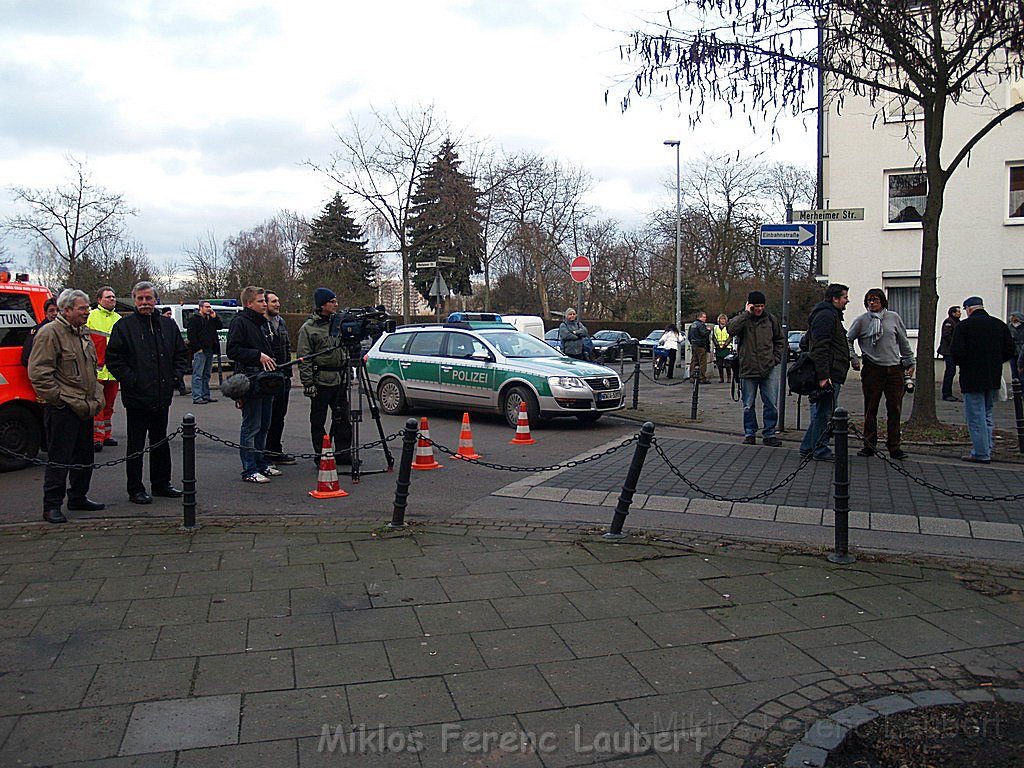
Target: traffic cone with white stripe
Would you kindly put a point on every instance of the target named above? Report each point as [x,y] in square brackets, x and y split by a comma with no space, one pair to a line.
[466,450]
[327,477]
[425,449]
[522,428]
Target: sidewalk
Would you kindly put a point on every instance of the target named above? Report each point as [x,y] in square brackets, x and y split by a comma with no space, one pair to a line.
[136,644]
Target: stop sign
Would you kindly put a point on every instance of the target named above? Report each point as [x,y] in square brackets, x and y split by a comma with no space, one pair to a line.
[579,269]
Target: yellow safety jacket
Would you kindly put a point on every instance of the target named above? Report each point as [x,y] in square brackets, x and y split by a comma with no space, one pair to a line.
[721,336]
[100,324]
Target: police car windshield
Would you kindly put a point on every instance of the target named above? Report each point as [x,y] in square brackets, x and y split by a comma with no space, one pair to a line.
[516,344]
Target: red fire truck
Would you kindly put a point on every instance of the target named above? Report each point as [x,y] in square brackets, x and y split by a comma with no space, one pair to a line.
[21,420]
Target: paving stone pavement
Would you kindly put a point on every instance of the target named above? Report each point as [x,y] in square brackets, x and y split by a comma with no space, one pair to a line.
[313,642]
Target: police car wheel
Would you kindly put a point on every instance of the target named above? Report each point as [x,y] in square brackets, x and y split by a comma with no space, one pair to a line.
[19,433]
[510,407]
[391,397]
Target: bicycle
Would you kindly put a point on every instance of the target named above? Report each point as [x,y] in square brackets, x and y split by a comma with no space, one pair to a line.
[659,361]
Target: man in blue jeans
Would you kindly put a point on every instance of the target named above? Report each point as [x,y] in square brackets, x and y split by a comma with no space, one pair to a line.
[250,348]
[761,343]
[830,352]
[203,343]
[981,344]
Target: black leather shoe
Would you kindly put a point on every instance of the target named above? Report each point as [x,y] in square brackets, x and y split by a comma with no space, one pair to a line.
[110,441]
[899,454]
[866,452]
[170,492]
[211,399]
[952,399]
[97,447]
[140,497]
[54,516]
[86,505]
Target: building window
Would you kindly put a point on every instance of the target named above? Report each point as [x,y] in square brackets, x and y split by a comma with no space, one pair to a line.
[1014,298]
[907,195]
[1016,192]
[901,110]
[906,302]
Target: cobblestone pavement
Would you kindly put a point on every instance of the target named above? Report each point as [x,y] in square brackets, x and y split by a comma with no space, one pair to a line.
[311,642]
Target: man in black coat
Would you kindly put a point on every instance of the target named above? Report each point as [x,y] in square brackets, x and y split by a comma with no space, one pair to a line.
[981,344]
[203,343]
[830,352]
[147,356]
[945,340]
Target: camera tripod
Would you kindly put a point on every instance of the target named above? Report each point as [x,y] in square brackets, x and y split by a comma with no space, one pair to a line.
[364,390]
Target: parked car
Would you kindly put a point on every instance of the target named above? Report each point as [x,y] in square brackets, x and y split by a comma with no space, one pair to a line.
[487,367]
[226,310]
[610,346]
[649,342]
[551,337]
[794,342]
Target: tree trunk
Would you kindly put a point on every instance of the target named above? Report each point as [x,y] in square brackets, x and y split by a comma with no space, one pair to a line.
[924,414]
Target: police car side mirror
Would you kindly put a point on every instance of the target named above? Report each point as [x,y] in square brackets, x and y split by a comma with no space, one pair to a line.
[483,356]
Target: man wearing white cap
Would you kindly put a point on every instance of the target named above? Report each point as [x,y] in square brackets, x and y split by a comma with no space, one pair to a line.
[981,344]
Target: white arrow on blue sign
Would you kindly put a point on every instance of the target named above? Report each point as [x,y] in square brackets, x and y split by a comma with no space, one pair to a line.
[787,235]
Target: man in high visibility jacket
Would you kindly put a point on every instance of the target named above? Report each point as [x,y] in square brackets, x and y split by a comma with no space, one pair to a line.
[101,323]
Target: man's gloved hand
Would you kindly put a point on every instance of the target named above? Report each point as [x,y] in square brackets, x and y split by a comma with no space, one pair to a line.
[309,390]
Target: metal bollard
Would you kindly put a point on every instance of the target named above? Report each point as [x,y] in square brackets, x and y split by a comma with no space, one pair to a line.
[636,382]
[1018,407]
[694,398]
[188,472]
[632,476]
[404,473]
[841,431]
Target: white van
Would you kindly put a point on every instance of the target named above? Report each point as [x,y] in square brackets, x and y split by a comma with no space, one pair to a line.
[530,324]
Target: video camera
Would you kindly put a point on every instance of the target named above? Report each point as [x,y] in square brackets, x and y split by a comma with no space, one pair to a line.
[354,326]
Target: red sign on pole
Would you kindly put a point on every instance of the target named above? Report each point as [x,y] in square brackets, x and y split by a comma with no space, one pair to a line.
[579,269]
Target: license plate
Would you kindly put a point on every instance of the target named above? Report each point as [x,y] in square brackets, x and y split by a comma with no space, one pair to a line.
[608,395]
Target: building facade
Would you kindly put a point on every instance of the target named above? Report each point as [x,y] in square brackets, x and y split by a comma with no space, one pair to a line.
[872,161]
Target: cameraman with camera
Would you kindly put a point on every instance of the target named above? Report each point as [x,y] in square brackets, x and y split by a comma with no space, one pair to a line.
[325,377]
[888,369]
[830,352]
[251,351]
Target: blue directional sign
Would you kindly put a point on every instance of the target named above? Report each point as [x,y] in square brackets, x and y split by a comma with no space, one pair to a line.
[787,235]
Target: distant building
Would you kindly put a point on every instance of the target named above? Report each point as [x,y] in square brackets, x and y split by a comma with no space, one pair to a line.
[870,163]
[390,294]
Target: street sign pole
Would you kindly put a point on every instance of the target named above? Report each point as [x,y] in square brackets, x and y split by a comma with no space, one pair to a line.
[787,266]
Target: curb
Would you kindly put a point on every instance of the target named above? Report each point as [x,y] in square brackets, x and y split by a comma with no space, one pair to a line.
[827,735]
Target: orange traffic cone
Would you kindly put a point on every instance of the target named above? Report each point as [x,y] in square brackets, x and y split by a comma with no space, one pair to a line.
[466,450]
[425,449]
[522,428]
[327,478]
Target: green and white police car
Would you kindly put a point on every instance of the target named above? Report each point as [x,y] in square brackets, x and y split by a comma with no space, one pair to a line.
[487,367]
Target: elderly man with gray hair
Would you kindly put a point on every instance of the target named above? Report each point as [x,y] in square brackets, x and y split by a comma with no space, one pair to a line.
[62,370]
[147,355]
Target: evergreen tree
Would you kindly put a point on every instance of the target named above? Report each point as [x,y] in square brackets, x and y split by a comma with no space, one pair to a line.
[336,256]
[445,221]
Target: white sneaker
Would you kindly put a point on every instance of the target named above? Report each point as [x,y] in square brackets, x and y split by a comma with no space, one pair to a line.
[256,477]
[272,471]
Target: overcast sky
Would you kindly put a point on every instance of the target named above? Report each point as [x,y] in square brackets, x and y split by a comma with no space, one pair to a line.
[201,112]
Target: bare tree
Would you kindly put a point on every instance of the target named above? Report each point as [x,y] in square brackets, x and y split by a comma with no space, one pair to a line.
[257,257]
[791,186]
[72,220]
[762,56]
[293,230]
[207,266]
[380,166]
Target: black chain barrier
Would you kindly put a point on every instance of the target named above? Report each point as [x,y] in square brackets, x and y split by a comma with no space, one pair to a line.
[313,456]
[673,383]
[512,468]
[112,463]
[900,469]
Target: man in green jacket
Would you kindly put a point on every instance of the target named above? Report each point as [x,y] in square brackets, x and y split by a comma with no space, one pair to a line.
[325,378]
[761,344]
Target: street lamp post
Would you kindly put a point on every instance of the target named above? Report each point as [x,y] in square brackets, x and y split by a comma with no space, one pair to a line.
[679,261]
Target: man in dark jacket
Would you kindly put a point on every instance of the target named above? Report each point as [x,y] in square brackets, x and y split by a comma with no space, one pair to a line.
[761,344]
[282,346]
[945,339]
[699,336]
[830,353]
[250,349]
[146,355]
[203,343]
[325,378]
[981,344]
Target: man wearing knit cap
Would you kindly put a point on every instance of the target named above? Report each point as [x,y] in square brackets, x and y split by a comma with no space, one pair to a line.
[981,344]
[761,344]
[325,378]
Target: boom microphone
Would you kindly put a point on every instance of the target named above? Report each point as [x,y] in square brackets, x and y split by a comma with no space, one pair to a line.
[236,387]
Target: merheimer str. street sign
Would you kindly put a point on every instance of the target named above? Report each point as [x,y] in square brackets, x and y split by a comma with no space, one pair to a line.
[830,214]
